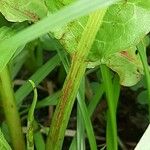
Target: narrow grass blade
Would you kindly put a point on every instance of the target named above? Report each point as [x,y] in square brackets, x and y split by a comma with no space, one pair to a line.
[61,52]
[37,77]
[96,99]
[39,141]
[50,100]
[111,133]
[87,124]
[91,107]
[116,92]
[80,122]
[142,51]
[3,143]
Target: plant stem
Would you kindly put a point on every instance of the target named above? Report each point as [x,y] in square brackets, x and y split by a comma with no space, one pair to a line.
[30,118]
[80,123]
[10,110]
[143,56]
[111,133]
[72,82]
[83,119]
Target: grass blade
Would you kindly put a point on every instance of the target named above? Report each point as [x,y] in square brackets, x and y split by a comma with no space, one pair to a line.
[111,122]
[142,51]
[80,122]
[87,124]
[39,141]
[91,107]
[3,143]
[37,77]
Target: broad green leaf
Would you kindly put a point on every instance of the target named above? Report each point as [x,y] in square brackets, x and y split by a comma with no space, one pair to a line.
[80,8]
[124,24]
[128,66]
[21,10]
[3,143]
[54,5]
[7,32]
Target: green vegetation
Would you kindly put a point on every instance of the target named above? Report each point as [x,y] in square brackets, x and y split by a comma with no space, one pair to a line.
[54,48]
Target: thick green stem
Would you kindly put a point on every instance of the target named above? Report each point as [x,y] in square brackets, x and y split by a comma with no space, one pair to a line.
[10,110]
[72,83]
[111,133]
[143,56]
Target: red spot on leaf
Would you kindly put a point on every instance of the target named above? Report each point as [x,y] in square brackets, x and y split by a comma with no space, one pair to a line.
[127,55]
